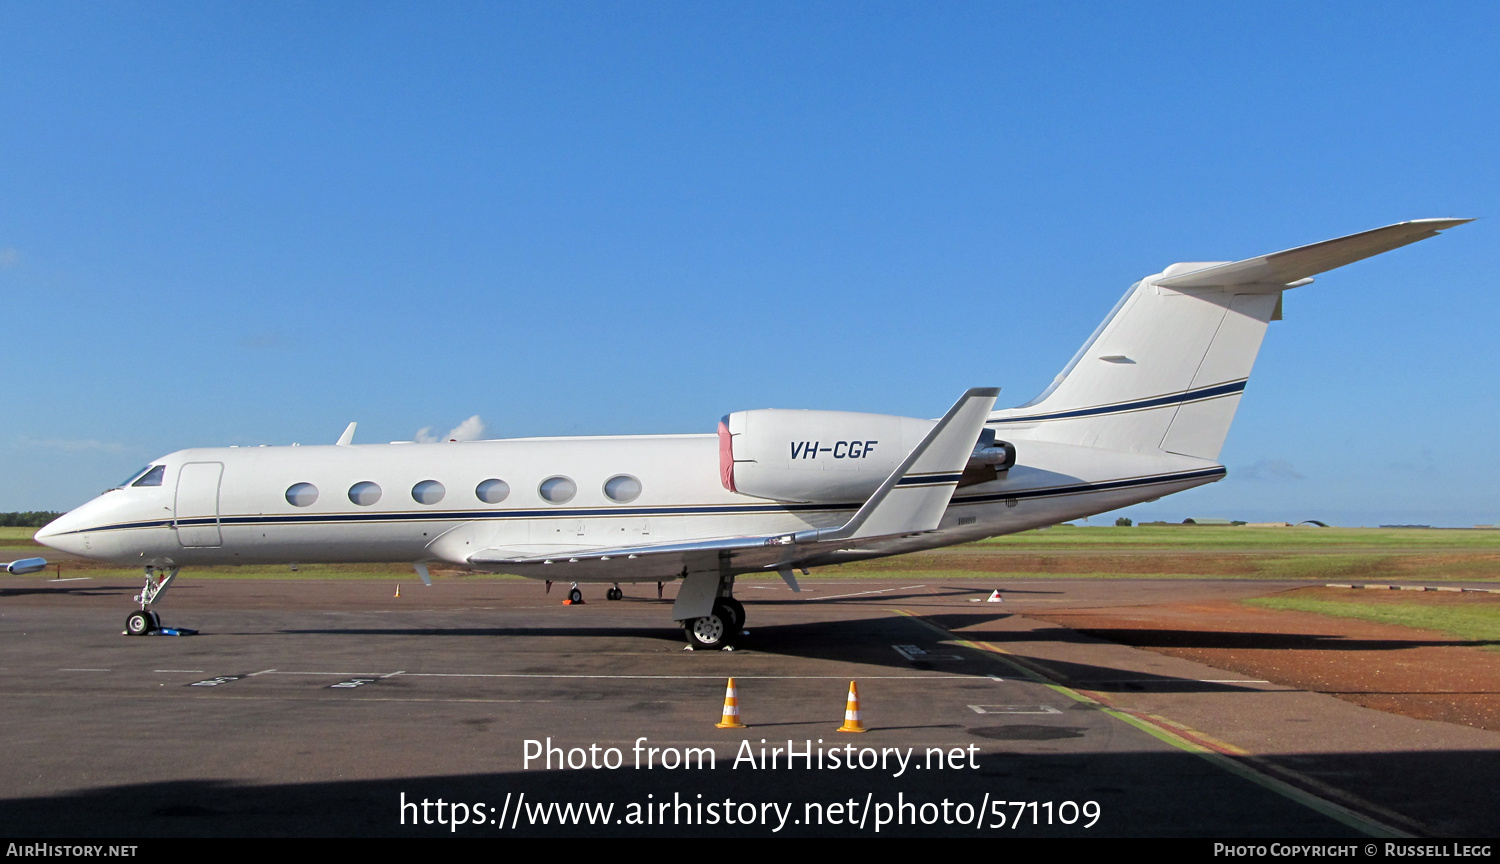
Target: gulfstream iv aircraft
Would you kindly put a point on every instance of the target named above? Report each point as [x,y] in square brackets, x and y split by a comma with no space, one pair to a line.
[1140,412]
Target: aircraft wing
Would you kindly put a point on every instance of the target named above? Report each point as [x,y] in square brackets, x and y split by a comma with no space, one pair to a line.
[667,561]
[654,563]
[911,500]
[1304,262]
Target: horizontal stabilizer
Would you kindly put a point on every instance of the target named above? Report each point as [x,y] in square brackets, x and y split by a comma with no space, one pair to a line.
[1294,265]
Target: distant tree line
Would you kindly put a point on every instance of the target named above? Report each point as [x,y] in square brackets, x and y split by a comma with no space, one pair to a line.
[28,519]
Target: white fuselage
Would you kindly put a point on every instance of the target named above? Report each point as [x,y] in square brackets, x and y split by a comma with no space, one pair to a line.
[231,505]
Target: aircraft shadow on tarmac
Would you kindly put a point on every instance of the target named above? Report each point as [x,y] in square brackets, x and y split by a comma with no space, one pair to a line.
[1151,794]
[862,598]
[71,590]
[869,642]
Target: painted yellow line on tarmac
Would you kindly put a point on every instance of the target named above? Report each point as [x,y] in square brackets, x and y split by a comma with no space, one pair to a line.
[1226,756]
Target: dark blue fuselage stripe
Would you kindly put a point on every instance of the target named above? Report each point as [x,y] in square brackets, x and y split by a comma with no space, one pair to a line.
[914,479]
[1155,402]
[1095,487]
[722,509]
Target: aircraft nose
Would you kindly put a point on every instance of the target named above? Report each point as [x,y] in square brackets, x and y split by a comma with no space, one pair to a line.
[62,533]
[52,536]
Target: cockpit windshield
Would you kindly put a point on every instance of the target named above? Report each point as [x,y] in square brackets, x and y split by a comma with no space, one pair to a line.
[151,475]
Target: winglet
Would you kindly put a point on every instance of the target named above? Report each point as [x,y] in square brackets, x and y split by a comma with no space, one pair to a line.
[348,437]
[915,496]
[1295,265]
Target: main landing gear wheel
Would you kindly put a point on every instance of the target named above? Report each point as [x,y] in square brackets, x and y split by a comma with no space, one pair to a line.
[710,631]
[141,622]
[614,594]
[575,595]
[733,613]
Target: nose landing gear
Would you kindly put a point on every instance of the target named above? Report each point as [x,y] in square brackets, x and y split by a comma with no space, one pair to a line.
[145,620]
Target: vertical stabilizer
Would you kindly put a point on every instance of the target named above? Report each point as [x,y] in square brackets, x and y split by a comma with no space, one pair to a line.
[1165,370]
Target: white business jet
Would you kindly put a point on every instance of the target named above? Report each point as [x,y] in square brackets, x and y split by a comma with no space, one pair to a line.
[1140,412]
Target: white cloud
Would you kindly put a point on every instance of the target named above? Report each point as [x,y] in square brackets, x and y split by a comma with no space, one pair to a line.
[471,429]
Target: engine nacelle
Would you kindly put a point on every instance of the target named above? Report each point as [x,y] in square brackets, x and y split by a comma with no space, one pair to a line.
[819,457]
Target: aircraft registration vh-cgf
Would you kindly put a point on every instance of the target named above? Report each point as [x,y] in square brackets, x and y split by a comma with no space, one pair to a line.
[1140,412]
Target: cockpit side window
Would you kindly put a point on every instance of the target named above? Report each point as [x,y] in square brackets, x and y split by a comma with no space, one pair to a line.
[135,476]
[152,477]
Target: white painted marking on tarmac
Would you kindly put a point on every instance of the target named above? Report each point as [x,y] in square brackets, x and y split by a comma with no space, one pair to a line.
[394,674]
[327,674]
[193,671]
[1014,709]
[956,678]
[861,593]
[215,682]
[261,672]
[72,579]
[1099,681]
[83,670]
[351,683]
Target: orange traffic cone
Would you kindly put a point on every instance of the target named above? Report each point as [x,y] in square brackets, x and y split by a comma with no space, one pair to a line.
[398,590]
[731,710]
[852,722]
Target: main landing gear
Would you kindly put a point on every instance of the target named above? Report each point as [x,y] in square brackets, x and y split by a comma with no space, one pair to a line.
[614,593]
[145,620]
[719,628]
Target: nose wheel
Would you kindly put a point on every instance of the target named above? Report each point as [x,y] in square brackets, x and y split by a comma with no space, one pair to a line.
[144,621]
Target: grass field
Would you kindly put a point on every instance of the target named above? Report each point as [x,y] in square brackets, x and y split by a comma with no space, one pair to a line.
[1466,616]
[1064,551]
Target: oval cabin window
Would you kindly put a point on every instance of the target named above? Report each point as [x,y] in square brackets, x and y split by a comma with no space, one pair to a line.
[558,490]
[301,494]
[428,492]
[364,494]
[622,488]
[492,491]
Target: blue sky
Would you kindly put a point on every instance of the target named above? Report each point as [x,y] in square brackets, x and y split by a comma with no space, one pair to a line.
[252,223]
